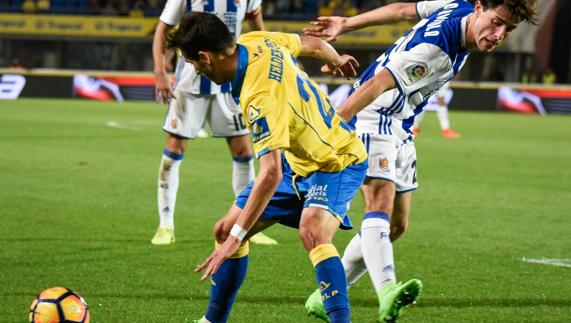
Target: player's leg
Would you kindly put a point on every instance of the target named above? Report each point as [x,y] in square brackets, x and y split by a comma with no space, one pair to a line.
[316,230]
[441,108]
[401,211]
[390,164]
[242,162]
[376,246]
[442,113]
[231,274]
[355,268]
[325,210]
[185,117]
[394,297]
[284,205]
[416,125]
[226,121]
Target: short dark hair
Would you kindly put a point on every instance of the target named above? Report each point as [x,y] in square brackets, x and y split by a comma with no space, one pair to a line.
[199,31]
[522,10]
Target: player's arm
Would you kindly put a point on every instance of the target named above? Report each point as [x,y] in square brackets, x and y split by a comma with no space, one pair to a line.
[335,64]
[267,181]
[256,20]
[333,27]
[163,88]
[366,94]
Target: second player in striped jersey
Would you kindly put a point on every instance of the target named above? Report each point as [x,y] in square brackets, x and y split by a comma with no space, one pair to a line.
[196,100]
[386,98]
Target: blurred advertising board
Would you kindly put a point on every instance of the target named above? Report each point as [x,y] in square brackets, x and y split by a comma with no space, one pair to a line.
[535,100]
[120,86]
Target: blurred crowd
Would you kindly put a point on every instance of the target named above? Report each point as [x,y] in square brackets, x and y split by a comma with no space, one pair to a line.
[273,9]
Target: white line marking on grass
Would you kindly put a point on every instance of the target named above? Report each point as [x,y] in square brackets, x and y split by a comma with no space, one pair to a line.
[117,125]
[552,262]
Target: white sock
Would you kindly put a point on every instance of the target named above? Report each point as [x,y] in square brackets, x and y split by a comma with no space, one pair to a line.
[353,262]
[242,173]
[442,113]
[168,187]
[377,249]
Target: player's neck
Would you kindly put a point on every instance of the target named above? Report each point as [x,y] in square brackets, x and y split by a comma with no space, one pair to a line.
[469,37]
[231,62]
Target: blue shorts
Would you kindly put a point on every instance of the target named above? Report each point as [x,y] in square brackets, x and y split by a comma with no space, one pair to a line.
[330,191]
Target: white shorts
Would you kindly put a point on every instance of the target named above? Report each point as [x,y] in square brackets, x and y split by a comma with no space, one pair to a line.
[392,160]
[188,113]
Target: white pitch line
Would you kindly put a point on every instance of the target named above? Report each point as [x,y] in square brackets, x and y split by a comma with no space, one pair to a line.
[117,125]
[551,262]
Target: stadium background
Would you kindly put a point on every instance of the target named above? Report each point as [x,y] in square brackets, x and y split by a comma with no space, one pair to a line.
[67,223]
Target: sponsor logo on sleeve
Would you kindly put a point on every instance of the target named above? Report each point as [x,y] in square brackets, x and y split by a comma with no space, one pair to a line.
[260,129]
[416,72]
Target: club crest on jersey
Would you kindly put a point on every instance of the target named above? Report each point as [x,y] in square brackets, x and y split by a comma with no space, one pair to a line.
[253,114]
[384,164]
[173,123]
[416,71]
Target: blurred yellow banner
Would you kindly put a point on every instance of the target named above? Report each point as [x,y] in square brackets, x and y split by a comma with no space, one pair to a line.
[101,26]
[76,26]
[377,35]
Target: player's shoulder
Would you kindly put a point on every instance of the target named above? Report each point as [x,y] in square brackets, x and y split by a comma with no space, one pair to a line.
[444,27]
[449,14]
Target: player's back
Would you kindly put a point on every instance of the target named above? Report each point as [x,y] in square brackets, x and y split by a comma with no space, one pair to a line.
[285,109]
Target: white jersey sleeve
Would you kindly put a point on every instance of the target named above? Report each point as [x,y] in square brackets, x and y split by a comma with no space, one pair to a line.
[173,11]
[426,8]
[253,6]
[418,67]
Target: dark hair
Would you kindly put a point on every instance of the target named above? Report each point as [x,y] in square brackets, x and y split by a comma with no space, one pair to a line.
[199,31]
[522,10]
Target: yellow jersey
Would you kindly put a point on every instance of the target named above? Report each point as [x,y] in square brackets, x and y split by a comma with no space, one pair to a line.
[286,110]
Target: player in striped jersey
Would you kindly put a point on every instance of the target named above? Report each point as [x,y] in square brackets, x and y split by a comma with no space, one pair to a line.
[386,98]
[196,100]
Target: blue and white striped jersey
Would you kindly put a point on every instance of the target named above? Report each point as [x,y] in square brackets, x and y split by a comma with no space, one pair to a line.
[232,12]
[421,61]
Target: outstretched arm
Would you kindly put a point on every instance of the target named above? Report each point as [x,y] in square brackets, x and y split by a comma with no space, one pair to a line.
[335,64]
[333,27]
[266,183]
[366,94]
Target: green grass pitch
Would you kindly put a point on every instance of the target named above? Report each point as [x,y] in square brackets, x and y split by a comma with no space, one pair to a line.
[78,209]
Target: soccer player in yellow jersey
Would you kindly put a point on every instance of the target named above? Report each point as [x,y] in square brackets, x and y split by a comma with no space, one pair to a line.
[310,184]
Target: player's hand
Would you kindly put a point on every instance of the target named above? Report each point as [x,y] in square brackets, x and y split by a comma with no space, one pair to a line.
[330,27]
[345,66]
[218,256]
[163,88]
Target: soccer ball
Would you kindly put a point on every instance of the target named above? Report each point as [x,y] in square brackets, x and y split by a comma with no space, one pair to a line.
[58,305]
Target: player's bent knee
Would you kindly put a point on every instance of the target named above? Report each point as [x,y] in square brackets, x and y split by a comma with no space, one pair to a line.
[176,144]
[240,146]
[314,229]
